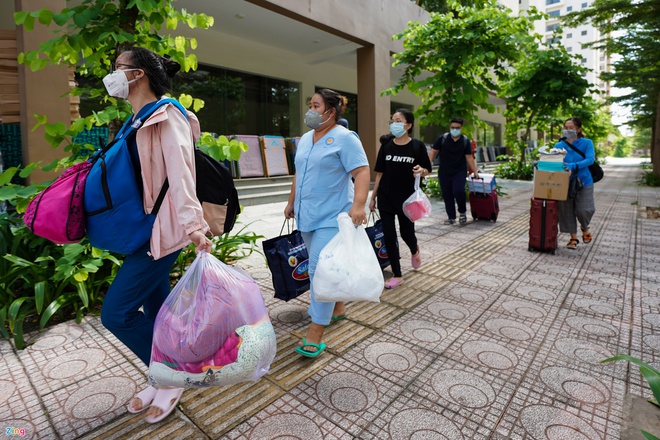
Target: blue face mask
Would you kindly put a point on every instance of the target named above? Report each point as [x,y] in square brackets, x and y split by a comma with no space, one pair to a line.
[397,129]
[455,132]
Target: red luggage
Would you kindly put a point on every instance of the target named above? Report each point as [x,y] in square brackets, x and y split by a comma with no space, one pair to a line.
[484,205]
[543,220]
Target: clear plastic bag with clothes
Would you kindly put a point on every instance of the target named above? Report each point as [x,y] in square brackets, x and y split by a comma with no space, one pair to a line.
[418,204]
[212,330]
[348,269]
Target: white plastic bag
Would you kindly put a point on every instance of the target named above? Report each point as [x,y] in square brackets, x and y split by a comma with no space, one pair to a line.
[213,329]
[417,205]
[348,269]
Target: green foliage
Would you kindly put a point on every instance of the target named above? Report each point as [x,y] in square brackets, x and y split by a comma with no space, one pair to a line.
[41,279]
[622,148]
[544,82]
[433,189]
[226,248]
[514,169]
[649,178]
[652,377]
[88,39]
[466,51]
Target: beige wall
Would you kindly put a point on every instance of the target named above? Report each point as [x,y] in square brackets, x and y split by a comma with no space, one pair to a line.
[40,92]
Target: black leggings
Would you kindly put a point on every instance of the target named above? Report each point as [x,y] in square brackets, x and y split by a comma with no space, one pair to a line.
[407,230]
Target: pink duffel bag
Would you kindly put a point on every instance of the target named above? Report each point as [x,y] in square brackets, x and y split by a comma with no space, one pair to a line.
[56,213]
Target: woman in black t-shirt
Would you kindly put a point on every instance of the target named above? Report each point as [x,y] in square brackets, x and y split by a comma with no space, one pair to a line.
[400,157]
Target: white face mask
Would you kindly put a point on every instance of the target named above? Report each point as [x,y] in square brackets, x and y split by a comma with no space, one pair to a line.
[116,83]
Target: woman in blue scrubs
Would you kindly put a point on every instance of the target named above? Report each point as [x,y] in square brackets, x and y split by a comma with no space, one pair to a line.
[327,160]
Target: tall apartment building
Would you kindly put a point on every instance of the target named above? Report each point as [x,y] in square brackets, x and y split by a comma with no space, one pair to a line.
[573,39]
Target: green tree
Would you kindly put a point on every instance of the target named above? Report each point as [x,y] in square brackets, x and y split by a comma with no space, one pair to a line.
[641,139]
[630,29]
[622,148]
[88,38]
[456,59]
[543,84]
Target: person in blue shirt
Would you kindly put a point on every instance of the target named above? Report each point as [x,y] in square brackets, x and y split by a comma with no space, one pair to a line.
[327,159]
[581,208]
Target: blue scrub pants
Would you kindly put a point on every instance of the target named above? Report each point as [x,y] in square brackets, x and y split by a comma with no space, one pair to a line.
[140,282]
[453,191]
[315,241]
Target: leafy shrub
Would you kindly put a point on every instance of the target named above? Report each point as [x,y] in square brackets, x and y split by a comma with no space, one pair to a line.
[41,279]
[433,189]
[226,248]
[651,375]
[649,178]
[514,169]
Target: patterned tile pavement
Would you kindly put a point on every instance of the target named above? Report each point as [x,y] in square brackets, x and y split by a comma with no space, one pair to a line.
[485,341]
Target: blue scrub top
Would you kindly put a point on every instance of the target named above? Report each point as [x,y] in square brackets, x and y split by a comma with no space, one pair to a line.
[323,182]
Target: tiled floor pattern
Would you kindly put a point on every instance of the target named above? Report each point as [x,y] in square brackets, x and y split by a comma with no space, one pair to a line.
[485,341]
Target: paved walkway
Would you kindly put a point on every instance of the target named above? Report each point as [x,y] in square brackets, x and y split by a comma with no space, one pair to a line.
[485,341]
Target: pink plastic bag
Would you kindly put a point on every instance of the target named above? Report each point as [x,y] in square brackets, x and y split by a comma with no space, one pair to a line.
[56,213]
[417,205]
[213,329]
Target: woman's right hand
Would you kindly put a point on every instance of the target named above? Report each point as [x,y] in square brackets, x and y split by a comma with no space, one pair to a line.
[288,211]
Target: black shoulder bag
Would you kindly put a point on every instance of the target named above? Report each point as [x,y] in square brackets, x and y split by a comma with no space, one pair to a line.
[595,169]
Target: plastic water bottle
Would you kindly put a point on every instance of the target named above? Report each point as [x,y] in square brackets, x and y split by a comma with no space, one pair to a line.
[3,204]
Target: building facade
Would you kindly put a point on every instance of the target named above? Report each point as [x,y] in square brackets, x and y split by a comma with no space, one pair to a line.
[259,65]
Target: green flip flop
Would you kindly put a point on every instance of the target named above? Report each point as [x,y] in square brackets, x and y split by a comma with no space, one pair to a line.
[334,318]
[320,348]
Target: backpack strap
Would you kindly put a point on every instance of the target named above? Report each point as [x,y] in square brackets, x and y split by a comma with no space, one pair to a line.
[166,184]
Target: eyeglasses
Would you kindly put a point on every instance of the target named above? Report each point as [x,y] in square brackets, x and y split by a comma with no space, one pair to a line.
[115,66]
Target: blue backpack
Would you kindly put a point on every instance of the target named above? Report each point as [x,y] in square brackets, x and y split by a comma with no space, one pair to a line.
[115,216]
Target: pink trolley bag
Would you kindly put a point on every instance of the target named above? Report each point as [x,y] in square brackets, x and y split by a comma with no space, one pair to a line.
[57,212]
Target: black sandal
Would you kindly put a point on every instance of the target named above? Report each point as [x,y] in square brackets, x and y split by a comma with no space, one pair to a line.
[572,243]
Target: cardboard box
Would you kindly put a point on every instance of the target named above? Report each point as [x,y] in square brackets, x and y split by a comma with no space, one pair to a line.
[551,185]
[484,184]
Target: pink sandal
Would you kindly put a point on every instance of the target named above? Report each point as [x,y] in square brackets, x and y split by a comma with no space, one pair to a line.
[166,400]
[393,282]
[416,260]
[146,396]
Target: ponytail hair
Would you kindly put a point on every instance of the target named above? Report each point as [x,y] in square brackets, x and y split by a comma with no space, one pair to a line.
[158,69]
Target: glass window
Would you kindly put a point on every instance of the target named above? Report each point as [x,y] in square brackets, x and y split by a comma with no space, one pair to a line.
[554,13]
[551,27]
[551,2]
[583,33]
[569,49]
[242,103]
[569,8]
[569,35]
[584,5]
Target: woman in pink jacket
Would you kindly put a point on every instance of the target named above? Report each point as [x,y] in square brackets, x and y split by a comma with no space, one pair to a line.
[163,148]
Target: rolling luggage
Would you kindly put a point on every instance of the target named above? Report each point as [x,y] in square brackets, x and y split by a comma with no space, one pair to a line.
[543,220]
[484,205]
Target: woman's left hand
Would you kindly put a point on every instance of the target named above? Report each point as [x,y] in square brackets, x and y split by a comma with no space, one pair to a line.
[202,242]
[419,170]
[358,215]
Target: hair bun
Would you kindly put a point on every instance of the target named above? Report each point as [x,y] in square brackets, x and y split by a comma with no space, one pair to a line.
[171,67]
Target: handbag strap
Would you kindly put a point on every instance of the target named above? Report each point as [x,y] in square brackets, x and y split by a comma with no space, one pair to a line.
[584,156]
[288,225]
